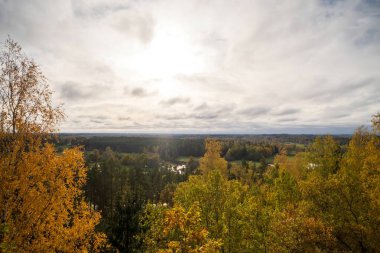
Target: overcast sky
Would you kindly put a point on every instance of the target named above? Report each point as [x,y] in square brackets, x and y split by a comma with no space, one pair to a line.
[184,66]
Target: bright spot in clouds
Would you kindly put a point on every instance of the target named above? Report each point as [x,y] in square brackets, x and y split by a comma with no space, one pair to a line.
[169,53]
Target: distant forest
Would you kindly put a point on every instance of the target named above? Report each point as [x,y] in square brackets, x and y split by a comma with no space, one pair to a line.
[185,145]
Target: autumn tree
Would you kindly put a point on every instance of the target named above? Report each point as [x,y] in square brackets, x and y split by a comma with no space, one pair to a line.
[212,159]
[292,229]
[42,208]
[176,230]
[296,165]
[229,211]
[26,105]
[348,201]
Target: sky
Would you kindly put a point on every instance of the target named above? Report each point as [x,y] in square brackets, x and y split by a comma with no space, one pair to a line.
[195,66]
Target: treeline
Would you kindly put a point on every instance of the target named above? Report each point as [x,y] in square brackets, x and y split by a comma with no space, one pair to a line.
[169,148]
[243,150]
[249,148]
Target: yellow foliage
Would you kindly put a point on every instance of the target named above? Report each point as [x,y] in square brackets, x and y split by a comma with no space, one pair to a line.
[42,207]
[212,159]
[292,230]
[296,165]
[25,97]
[179,231]
[42,202]
[348,201]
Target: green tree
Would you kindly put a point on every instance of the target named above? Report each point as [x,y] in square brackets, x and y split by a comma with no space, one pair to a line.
[324,155]
[223,202]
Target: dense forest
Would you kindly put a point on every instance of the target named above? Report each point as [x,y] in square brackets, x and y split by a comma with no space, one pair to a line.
[185,193]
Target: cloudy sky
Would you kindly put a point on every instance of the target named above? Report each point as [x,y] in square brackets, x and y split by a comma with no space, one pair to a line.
[195,66]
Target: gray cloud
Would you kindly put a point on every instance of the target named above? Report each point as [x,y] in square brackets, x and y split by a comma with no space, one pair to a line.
[287,112]
[94,9]
[201,107]
[254,111]
[97,121]
[139,25]
[287,119]
[140,92]
[189,116]
[207,116]
[95,117]
[203,81]
[326,91]
[123,118]
[175,100]
[73,91]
